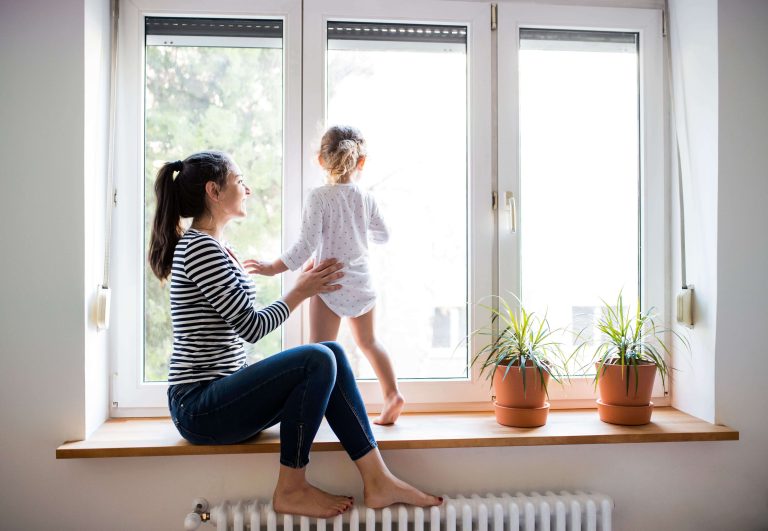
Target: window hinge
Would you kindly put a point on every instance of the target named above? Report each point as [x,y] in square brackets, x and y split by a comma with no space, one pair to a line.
[494,200]
[494,16]
[664,23]
[114,197]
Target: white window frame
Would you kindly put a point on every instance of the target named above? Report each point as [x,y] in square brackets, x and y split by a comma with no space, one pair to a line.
[654,278]
[304,112]
[422,395]
[130,395]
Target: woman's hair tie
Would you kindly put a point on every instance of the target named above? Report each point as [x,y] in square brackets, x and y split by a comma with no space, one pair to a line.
[177,166]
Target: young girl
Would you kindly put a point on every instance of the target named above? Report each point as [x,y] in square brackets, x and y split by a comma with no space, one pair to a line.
[337,221]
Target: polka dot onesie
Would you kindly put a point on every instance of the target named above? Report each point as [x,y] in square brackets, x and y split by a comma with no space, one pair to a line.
[336,223]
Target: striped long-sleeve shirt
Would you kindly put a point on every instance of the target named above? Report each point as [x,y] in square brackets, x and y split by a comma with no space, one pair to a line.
[212,307]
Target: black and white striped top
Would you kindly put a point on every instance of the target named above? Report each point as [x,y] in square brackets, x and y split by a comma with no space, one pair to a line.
[212,307]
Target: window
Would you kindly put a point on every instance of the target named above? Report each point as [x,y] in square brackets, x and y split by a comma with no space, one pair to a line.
[579,158]
[579,139]
[405,87]
[421,100]
[216,83]
[188,80]
[580,167]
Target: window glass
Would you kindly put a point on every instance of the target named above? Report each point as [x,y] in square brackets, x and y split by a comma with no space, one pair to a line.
[405,87]
[215,84]
[579,174]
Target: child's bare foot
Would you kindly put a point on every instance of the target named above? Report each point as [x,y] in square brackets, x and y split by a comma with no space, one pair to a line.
[388,490]
[393,406]
[308,500]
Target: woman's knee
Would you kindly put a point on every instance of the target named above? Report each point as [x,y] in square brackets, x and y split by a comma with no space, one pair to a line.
[321,357]
[338,352]
[334,346]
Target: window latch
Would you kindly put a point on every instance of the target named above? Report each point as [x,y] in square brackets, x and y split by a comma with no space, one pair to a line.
[511,207]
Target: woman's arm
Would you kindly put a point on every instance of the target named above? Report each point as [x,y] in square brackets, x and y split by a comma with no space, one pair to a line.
[315,279]
[207,265]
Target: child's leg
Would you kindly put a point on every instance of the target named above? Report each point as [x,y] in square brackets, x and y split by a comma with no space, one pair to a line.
[323,323]
[362,332]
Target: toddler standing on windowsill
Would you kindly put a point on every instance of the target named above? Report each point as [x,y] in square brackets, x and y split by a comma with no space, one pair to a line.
[337,221]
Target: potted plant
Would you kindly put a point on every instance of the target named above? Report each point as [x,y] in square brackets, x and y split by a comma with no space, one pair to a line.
[626,360]
[520,361]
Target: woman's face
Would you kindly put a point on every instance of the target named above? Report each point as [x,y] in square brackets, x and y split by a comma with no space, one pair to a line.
[233,196]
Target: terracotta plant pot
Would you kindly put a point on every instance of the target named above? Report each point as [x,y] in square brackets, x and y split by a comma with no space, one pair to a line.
[521,417]
[624,415]
[515,407]
[625,393]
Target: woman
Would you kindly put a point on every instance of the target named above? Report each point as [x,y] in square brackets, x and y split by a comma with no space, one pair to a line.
[214,397]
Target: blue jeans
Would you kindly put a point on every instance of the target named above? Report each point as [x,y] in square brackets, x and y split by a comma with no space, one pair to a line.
[296,388]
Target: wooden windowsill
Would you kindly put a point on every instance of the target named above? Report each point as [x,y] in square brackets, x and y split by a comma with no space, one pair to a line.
[143,437]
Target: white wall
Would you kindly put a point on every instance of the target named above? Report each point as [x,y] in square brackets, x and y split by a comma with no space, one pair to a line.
[693,32]
[683,486]
[742,249]
[97,31]
[42,384]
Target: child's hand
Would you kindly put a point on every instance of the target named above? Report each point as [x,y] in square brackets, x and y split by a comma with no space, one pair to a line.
[258,267]
[268,269]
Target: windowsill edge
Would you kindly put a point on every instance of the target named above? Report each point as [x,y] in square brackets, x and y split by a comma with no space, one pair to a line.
[148,437]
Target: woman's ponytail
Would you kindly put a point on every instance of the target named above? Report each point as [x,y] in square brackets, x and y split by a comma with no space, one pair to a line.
[182,197]
[166,227]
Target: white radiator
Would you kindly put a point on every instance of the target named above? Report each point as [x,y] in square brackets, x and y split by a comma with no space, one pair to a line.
[565,511]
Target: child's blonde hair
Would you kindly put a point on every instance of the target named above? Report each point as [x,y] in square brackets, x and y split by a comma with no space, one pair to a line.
[340,150]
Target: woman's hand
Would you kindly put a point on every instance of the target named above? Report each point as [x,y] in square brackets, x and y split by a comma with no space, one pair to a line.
[268,269]
[315,279]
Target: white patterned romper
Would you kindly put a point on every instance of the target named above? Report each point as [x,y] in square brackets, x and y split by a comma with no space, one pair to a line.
[336,223]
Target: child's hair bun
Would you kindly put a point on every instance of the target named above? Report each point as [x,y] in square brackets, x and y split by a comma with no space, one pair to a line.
[347,145]
[340,149]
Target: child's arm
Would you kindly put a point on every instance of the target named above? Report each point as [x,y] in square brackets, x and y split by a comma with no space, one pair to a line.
[269,269]
[311,232]
[376,227]
[293,258]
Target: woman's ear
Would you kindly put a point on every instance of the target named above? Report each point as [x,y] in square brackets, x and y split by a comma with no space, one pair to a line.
[212,190]
[320,160]
[360,163]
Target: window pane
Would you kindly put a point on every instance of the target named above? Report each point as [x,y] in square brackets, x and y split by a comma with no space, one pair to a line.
[407,94]
[580,159]
[215,97]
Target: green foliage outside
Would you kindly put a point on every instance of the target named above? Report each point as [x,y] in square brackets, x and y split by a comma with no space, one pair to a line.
[229,99]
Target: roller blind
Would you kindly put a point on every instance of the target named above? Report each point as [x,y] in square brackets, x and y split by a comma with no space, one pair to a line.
[369,31]
[213,27]
[578,40]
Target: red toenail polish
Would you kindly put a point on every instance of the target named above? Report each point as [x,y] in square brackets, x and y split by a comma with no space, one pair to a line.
[440,498]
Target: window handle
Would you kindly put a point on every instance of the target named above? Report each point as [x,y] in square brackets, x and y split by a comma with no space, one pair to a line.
[511,206]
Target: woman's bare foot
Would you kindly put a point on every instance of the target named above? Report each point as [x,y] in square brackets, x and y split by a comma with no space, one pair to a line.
[393,406]
[310,501]
[294,495]
[387,490]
